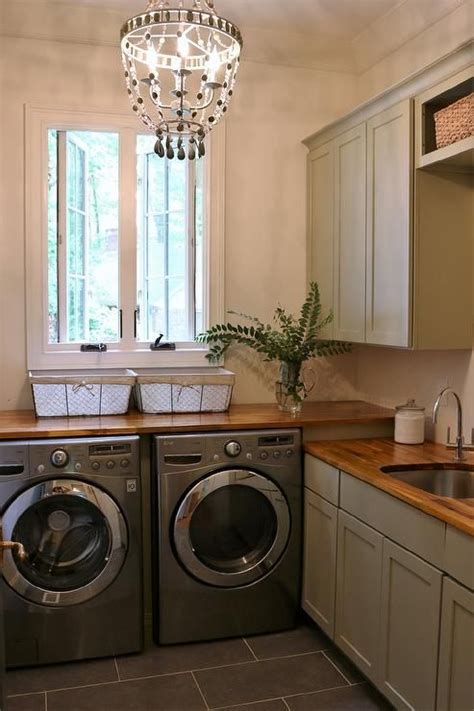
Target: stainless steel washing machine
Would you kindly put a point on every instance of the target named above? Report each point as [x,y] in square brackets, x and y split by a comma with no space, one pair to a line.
[227,534]
[75,506]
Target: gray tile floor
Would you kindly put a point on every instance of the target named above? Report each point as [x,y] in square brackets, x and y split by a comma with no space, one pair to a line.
[299,670]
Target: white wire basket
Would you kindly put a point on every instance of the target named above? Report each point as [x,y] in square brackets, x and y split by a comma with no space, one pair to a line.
[73,393]
[183,390]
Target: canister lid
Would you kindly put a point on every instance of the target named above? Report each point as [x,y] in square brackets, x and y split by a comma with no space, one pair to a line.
[410,405]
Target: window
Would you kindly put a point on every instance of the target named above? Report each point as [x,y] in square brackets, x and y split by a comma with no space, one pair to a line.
[128,243]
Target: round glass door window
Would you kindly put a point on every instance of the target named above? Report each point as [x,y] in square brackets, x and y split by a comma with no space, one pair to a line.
[232,528]
[75,541]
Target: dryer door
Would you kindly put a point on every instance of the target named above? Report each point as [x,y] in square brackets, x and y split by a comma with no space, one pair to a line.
[75,539]
[231,528]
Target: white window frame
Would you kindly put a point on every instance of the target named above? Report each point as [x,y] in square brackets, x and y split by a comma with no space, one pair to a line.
[129,353]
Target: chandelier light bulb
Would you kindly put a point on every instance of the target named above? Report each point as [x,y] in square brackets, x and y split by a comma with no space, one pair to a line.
[183,46]
[180,67]
[151,58]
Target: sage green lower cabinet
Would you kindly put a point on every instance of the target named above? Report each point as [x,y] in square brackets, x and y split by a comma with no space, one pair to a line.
[409,628]
[359,572]
[456,659]
[319,564]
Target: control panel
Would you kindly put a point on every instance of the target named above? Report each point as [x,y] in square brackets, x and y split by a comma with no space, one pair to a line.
[244,449]
[87,456]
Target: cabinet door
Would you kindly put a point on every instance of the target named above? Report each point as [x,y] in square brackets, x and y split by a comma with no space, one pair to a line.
[320,224]
[456,659]
[389,226]
[359,571]
[349,235]
[409,630]
[319,561]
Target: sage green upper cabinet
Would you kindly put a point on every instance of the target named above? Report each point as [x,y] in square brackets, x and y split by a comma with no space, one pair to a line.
[359,236]
[321,224]
[390,244]
[389,226]
[349,235]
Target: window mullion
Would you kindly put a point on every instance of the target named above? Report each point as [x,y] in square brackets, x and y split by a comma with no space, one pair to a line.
[128,236]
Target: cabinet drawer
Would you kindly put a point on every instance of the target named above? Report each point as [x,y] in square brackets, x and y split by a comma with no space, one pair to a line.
[321,478]
[411,528]
[459,556]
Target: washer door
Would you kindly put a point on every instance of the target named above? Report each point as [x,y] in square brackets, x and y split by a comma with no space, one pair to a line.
[231,528]
[75,539]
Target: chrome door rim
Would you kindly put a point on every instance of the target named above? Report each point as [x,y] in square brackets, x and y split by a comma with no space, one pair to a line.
[213,482]
[117,549]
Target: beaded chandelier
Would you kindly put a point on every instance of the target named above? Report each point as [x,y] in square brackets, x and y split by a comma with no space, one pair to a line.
[180,67]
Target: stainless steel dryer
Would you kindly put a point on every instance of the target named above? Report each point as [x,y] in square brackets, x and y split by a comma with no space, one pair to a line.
[227,534]
[75,506]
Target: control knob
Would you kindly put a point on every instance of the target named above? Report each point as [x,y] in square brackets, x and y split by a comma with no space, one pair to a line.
[233,448]
[59,458]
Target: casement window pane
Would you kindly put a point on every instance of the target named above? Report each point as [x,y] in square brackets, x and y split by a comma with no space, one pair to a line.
[83,236]
[53,312]
[199,249]
[165,245]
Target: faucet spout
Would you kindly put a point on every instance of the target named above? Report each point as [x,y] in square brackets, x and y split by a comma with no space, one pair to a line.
[459,456]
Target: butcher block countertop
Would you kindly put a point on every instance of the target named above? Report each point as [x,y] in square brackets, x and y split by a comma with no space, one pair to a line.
[22,424]
[363,458]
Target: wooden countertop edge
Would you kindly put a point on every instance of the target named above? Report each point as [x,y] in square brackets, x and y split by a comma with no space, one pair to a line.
[454,512]
[24,425]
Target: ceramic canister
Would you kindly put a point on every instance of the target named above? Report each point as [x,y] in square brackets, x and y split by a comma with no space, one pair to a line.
[410,423]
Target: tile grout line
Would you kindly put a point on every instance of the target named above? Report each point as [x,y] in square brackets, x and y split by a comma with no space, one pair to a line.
[117,669]
[250,649]
[286,704]
[336,668]
[99,683]
[200,691]
[318,691]
[182,671]
[246,703]
[45,701]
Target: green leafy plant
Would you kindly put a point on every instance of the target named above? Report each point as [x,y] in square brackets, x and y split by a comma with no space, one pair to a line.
[290,340]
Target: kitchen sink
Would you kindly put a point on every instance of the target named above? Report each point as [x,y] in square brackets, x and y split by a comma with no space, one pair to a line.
[455,481]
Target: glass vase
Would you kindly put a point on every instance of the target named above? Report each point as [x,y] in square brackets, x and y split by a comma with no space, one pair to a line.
[290,389]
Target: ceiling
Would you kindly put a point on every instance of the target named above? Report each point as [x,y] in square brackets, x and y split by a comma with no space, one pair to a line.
[341,19]
[336,35]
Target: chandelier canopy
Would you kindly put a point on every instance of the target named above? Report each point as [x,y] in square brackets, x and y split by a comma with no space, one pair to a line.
[180,67]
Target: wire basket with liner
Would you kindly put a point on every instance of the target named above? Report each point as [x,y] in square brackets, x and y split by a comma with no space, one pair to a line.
[73,393]
[183,390]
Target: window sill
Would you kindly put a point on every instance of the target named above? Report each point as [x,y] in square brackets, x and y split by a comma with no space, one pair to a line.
[182,357]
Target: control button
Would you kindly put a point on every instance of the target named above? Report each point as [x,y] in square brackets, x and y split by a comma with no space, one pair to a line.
[124,463]
[276,454]
[263,455]
[59,458]
[216,457]
[95,466]
[78,466]
[110,464]
[233,449]
[40,468]
[289,452]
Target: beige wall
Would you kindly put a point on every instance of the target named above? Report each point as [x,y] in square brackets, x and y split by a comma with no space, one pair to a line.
[390,376]
[273,109]
[431,29]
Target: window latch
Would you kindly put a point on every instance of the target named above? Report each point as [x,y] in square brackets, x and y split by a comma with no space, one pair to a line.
[159,346]
[94,347]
